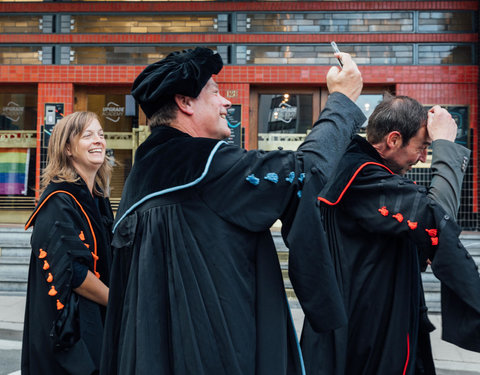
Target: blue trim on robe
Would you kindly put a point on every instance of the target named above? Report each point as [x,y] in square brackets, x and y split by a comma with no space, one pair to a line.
[300,356]
[173,188]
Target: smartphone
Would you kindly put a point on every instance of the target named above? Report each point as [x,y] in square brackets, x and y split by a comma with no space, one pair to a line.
[336,50]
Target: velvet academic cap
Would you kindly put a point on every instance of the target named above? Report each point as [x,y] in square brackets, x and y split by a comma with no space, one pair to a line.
[183,72]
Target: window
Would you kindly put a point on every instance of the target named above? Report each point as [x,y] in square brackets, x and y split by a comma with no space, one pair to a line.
[284,116]
[367,103]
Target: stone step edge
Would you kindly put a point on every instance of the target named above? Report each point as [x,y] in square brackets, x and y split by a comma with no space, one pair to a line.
[15,245]
[14,260]
[15,280]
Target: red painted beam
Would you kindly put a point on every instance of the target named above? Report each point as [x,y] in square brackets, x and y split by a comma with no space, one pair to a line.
[236,38]
[243,6]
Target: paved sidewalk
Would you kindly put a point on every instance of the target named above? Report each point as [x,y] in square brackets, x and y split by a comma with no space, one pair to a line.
[449,359]
[12,310]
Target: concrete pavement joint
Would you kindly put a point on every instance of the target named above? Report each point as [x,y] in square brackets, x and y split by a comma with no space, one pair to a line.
[10,345]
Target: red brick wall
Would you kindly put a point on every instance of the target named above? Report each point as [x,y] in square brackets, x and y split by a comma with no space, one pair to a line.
[194,39]
[447,85]
[429,84]
[238,6]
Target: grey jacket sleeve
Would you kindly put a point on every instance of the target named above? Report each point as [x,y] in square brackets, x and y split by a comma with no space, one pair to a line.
[449,163]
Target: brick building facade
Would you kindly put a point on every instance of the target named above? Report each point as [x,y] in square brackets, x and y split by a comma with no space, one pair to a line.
[58,57]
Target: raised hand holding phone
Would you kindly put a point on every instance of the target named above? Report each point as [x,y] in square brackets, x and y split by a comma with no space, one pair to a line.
[346,80]
[336,50]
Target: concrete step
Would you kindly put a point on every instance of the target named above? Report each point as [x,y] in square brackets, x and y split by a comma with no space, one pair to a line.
[11,294]
[15,251]
[15,238]
[434,306]
[14,259]
[283,257]
[13,284]
[14,234]
[278,241]
[282,252]
[14,265]
[471,241]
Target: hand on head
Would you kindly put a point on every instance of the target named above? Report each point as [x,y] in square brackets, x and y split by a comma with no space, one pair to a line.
[440,124]
[346,80]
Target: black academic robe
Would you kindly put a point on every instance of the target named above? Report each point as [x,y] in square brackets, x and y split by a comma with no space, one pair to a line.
[196,285]
[62,330]
[381,228]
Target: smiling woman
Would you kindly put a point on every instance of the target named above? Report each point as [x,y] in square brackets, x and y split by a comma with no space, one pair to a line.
[65,159]
[69,265]
[87,152]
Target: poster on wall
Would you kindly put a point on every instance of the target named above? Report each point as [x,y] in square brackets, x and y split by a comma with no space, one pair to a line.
[460,115]
[11,116]
[234,119]
[113,111]
[14,171]
[53,114]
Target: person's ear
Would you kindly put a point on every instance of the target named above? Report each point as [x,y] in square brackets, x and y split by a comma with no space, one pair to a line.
[184,103]
[394,140]
[68,149]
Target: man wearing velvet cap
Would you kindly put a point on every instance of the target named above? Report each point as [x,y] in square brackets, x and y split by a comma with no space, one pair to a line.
[196,284]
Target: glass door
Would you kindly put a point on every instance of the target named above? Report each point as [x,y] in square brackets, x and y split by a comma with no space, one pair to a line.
[282,117]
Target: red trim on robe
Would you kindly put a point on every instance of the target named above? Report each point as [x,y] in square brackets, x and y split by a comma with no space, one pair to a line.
[408,355]
[321,199]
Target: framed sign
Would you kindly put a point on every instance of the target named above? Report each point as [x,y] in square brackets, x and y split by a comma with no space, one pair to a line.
[460,115]
[234,119]
[53,113]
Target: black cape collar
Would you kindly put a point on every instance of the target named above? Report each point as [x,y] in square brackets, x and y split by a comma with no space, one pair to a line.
[159,135]
[360,146]
[359,154]
[167,160]
[79,190]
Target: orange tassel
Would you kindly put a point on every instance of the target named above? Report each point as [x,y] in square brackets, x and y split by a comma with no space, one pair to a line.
[46,266]
[60,305]
[42,254]
[82,236]
[97,274]
[95,257]
[412,224]
[87,245]
[383,211]
[50,277]
[399,217]
[52,292]
[434,241]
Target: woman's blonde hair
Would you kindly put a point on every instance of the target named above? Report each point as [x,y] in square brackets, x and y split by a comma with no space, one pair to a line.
[59,166]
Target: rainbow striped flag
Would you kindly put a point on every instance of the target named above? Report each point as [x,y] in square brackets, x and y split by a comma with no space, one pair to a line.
[14,171]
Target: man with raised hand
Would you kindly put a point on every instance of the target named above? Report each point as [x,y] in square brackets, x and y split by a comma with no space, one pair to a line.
[196,285]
